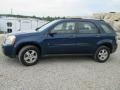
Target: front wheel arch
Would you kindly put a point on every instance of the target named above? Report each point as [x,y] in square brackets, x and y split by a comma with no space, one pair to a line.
[19,47]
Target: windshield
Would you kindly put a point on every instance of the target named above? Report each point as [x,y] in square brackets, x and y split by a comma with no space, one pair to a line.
[46,25]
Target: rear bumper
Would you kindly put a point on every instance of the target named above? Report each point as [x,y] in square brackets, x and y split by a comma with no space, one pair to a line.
[114,48]
[9,50]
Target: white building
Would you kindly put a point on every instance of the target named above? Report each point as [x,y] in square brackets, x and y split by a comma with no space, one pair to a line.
[15,23]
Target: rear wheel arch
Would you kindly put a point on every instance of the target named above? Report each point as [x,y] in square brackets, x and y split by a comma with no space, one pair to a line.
[109,45]
[19,47]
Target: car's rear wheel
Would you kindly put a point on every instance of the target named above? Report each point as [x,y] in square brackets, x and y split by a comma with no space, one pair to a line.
[102,54]
[29,55]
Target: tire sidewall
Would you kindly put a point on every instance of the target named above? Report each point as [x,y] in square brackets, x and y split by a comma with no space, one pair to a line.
[23,51]
[97,52]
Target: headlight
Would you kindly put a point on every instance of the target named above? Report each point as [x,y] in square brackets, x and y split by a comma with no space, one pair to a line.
[10,40]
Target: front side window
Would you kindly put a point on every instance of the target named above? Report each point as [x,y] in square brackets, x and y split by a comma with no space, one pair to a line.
[87,28]
[64,28]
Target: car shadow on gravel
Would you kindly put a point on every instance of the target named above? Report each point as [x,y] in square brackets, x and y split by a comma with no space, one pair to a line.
[12,61]
[58,59]
[65,59]
[52,59]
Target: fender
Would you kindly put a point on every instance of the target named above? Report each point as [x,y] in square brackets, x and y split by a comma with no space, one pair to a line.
[105,42]
[34,40]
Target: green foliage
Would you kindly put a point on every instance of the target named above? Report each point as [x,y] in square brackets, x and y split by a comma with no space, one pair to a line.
[48,18]
[1,32]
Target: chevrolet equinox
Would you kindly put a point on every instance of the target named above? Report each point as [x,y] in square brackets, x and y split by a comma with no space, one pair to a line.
[63,36]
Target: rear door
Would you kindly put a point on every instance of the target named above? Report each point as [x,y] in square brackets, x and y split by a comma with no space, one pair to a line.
[87,37]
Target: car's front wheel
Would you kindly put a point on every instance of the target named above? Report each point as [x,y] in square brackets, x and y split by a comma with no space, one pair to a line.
[102,54]
[29,55]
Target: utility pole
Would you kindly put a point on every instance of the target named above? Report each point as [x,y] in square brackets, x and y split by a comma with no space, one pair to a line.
[11,11]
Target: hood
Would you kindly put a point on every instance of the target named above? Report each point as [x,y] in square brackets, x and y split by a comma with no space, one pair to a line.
[23,33]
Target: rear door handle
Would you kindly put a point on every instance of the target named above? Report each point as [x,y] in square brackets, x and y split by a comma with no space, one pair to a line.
[97,35]
[72,36]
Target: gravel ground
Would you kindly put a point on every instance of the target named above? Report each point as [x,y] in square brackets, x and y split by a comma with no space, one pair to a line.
[61,73]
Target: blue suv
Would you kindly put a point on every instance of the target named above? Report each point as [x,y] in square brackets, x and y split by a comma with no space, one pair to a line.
[63,36]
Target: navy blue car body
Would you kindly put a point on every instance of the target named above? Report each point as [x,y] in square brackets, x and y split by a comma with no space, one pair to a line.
[64,43]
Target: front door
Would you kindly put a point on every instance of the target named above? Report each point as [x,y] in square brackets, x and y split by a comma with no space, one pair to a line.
[61,39]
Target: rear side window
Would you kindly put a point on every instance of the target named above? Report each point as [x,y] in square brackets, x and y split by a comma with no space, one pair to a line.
[106,28]
[87,28]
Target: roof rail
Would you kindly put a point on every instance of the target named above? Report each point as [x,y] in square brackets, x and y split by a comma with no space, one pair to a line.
[73,18]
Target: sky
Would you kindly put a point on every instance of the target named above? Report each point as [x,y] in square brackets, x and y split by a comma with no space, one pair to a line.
[58,7]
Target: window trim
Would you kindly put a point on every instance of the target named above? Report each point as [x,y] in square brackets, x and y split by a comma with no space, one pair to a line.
[9,30]
[108,26]
[88,33]
[9,24]
[49,31]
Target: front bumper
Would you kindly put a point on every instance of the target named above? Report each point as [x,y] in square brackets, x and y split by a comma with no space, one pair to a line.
[9,50]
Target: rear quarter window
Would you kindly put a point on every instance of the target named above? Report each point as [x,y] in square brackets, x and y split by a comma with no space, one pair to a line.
[106,28]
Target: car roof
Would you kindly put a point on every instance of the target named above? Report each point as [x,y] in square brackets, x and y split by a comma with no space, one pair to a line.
[81,19]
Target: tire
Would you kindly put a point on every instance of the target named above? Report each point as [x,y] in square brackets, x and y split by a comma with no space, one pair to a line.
[102,54]
[29,55]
